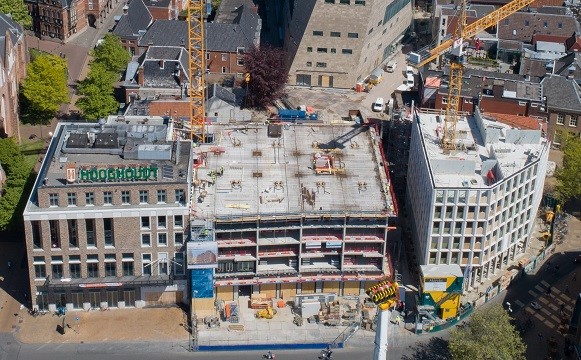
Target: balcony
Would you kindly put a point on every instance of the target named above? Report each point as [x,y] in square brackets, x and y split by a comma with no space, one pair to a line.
[363,238]
[236,243]
[277,253]
[281,240]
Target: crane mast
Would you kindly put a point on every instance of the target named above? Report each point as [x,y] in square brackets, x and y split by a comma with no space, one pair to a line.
[462,32]
[197,67]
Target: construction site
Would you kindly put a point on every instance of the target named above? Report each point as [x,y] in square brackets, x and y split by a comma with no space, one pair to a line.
[292,209]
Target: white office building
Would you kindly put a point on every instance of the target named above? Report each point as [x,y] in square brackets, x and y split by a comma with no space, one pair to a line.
[474,206]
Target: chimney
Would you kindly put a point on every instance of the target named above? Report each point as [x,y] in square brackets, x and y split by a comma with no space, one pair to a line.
[161,63]
[125,8]
[140,76]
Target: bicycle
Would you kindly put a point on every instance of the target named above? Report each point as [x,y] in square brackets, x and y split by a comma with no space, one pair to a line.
[104,308]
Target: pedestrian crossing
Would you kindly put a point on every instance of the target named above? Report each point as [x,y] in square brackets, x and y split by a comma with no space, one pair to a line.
[554,305]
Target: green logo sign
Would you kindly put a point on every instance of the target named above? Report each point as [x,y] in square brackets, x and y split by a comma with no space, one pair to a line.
[114,174]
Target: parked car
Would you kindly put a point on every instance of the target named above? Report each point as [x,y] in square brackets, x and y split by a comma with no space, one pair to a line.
[535,305]
[391,66]
[378,105]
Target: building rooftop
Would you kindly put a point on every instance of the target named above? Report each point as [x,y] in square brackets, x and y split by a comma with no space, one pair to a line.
[283,169]
[487,151]
[441,270]
[100,152]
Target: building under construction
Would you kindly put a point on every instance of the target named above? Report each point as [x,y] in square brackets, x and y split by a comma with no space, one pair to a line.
[290,208]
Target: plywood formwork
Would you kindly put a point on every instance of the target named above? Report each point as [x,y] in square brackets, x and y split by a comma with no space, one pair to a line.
[268,290]
[203,307]
[288,291]
[350,288]
[331,287]
[307,288]
[225,293]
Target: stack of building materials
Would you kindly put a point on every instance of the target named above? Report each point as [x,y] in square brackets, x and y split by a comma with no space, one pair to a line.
[260,301]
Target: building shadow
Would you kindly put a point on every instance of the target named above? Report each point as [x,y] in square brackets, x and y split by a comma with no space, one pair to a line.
[435,349]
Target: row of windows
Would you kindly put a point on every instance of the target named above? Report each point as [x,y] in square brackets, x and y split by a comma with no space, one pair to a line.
[143,195]
[346,2]
[331,50]
[572,120]
[56,270]
[108,233]
[336,34]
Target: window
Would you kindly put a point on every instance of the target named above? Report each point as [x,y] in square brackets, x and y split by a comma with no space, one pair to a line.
[53,199]
[75,270]
[145,224]
[573,120]
[90,232]
[162,263]
[39,267]
[180,196]
[346,51]
[545,24]
[317,33]
[161,239]
[370,31]
[224,56]
[162,222]
[345,2]
[108,231]
[55,241]
[92,266]
[161,196]
[36,234]
[439,196]
[107,198]
[143,196]
[90,198]
[57,267]
[333,51]
[178,221]
[207,56]
[444,100]
[223,69]
[335,34]
[561,119]
[145,239]
[178,238]
[309,49]
[560,25]
[146,264]
[321,65]
[330,1]
[128,266]
[309,63]
[353,35]
[110,269]
[321,50]
[179,264]
[527,23]
[360,2]
[72,199]
[73,238]
[240,62]
[125,197]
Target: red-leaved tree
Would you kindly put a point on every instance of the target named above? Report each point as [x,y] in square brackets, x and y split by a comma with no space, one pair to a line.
[268,76]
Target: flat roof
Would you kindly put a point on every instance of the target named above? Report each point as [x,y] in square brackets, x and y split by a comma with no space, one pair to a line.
[110,146]
[441,270]
[282,169]
[482,146]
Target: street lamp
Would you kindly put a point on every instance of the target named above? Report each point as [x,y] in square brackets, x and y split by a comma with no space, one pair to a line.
[194,325]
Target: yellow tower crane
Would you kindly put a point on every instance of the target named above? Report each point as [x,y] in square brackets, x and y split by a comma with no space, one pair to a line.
[462,33]
[197,67]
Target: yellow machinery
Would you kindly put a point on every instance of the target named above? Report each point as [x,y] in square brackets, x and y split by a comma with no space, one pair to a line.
[197,69]
[267,313]
[463,32]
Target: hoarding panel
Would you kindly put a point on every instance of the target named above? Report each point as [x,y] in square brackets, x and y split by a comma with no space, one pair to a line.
[202,255]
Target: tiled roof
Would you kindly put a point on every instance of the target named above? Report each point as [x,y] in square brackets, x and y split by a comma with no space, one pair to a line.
[541,3]
[166,33]
[157,3]
[520,122]
[244,31]
[221,93]
[561,93]
[533,67]
[162,66]
[138,18]
[14,30]
[515,26]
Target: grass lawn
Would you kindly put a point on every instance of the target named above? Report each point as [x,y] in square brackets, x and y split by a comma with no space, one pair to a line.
[31,150]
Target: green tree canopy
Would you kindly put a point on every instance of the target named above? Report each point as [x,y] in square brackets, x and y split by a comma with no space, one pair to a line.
[96,92]
[111,54]
[18,10]
[569,175]
[45,88]
[17,173]
[488,336]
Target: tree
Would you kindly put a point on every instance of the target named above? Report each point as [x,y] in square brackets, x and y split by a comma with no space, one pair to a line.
[96,92]
[45,89]
[488,336]
[18,10]
[17,174]
[266,66]
[568,184]
[111,54]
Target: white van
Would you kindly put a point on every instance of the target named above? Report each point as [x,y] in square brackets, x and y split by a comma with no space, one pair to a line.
[377,106]
[410,81]
[391,66]
[409,71]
